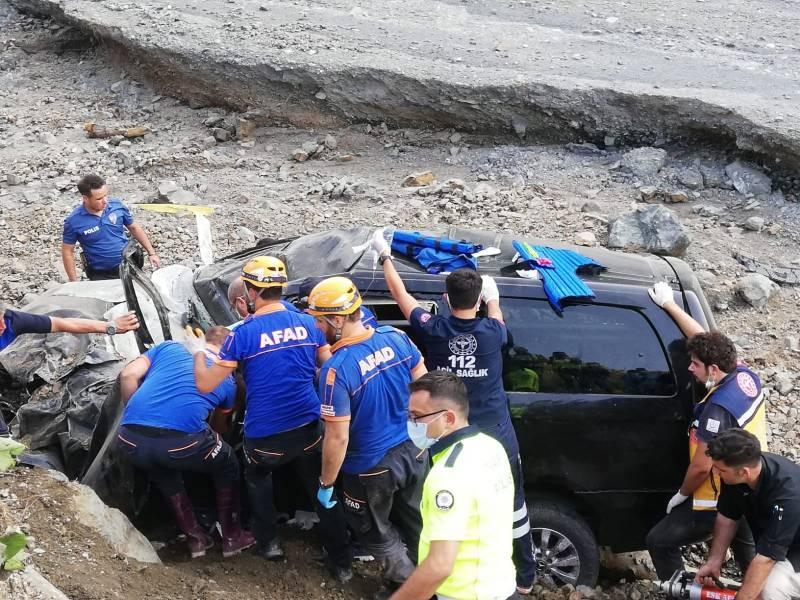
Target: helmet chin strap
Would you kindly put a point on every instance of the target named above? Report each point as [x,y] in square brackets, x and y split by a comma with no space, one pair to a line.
[251,305]
[337,330]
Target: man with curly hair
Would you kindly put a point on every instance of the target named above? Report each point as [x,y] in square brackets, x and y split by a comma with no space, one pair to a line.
[733,400]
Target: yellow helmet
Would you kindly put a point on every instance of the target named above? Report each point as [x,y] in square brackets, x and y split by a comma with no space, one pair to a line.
[334,296]
[265,271]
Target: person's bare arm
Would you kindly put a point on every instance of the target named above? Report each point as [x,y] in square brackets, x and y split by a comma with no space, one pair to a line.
[140,236]
[756,578]
[431,572]
[698,471]
[405,301]
[685,322]
[207,378]
[334,447]
[131,377]
[724,531]
[323,355]
[68,258]
[419,370]
[123,324]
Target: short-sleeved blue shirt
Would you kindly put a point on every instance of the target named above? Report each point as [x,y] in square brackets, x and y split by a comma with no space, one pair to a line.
[366,382]
[278,352]
[101,237]
[368,318]
[472,349]
[168,397]
[19,323]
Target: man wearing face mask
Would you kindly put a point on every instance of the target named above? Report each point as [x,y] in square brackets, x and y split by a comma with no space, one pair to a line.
[279,351]
[465,545]
[363,389]
[733,400]
[471,348]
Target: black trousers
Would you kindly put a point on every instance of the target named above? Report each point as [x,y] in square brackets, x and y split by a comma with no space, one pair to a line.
[301,448]
[683,527]
[164,453]
[523,544]
[100,274]
[382,508]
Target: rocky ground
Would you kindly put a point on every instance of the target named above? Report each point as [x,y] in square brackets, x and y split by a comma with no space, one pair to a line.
[265,180]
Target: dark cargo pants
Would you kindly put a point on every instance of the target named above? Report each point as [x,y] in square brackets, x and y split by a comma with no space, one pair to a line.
[382,508]
[684,526]
[523,545]
[302,448]
[164,453]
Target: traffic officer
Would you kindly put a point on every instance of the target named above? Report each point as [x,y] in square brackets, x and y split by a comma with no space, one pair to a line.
[279,351]
[471,347]
[733,399]
[467,499]
[163,431]
[14,323]
[364,405]
[98,224]
[764,489]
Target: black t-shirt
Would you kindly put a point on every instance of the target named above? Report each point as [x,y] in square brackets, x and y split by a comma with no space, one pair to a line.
[472,349]
[18,323]
[772,509]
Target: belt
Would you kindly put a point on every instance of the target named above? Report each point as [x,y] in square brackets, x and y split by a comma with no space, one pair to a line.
[157,432]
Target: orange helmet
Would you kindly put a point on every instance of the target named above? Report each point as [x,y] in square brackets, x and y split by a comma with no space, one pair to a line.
[265,271]
[334,296]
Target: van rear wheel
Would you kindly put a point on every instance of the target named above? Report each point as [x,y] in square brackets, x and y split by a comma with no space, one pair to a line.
[564,546]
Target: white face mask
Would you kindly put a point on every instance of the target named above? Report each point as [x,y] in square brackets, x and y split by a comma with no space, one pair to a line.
[710,383]
[418,433]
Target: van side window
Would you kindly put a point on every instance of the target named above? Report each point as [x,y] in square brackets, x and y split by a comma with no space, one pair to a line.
[591,349]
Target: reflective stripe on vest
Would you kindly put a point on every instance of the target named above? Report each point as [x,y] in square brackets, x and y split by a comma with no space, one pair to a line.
[750,416]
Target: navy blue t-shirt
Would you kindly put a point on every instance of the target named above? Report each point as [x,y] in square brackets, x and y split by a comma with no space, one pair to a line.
[18,323]
[168,397]
[102,237]
[472,349]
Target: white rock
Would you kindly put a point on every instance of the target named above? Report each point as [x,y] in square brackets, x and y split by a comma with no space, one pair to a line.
[756,289]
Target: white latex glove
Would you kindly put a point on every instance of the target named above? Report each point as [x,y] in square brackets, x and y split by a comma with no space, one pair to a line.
[661,293]
[192,342]
[379,243]
[675,501]
[489,289]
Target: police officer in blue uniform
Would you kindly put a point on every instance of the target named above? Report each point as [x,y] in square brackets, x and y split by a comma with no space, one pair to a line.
[279,351]
[471,348]
[363,388]
[14,323]
[98,224]
[163,431]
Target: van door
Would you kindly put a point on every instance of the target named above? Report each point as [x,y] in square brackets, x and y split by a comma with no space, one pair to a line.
[597,410]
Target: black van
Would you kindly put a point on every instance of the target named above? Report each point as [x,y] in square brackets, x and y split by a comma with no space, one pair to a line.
[600,394]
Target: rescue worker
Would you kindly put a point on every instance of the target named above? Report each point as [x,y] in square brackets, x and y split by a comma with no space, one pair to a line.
[471,347]
[279,351]
[467,500]
[733,399]
[363,389]
[163,431]
[764,489]
[98,224]
[14,323]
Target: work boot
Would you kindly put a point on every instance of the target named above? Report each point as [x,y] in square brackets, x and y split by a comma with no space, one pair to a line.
[196,538]
[234,538]
[271,550]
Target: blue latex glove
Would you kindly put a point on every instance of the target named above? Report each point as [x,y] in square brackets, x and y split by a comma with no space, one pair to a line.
[325,497]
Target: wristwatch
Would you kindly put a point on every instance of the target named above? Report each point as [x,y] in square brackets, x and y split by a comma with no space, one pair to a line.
[111,329]
[383,258]
[323,486]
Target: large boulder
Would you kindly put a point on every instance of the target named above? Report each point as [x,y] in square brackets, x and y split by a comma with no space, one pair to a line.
[111,524]
[645,163]
[29,584]
[748,179]
[756,289]
[653,229]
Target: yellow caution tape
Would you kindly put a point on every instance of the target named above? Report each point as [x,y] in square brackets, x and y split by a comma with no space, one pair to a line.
[174,209]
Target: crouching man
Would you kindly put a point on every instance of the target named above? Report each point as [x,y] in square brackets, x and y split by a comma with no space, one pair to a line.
[164,431]
[764,489]
[465,548]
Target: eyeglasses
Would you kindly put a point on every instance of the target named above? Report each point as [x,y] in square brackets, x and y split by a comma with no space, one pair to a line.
[416,419]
